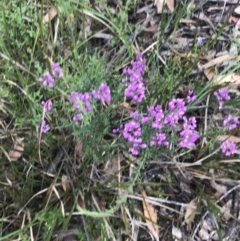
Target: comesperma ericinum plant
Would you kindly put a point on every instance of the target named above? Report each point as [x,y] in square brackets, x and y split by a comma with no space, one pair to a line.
[158,123]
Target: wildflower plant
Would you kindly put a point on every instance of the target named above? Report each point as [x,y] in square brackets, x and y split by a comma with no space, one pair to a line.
[149,130]
[139,108]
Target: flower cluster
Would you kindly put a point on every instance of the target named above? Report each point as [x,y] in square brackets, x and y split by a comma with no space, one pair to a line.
[229,148]
[103,93]
[47,106]
[159,139]
[221,95]
[44,127]
[132,133]
[230,122]
[82,101]
[135,89]
[48,78]
[191,96]
[57,71]
[157,116]
[177,109]
[188,133]
[156,120]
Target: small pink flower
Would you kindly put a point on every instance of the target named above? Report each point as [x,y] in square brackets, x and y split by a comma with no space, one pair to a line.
[47,105]
[230,122]
[229,148]
[191,97]
[44,127]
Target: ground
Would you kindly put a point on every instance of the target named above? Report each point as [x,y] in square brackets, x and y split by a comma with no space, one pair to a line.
[119,120]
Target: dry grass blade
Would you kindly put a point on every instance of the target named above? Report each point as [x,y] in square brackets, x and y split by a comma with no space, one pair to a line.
[191,212]
[150,214]
[209,74]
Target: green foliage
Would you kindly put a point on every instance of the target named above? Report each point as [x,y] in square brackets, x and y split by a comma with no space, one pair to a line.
[27,49]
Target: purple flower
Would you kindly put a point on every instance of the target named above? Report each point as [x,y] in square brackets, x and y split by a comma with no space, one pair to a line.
[145,119]
[47,105]
[132,133]
[56,70]
[221,94]
[200,40]
[189,123]
[188,133]
[139,117]
[189,138]
[77,117]
[81,101]
[135,89]
[178,109]
[230,122]
[229,148]
[191,97]
[47,80]
[103,93]
[44,127]
[159,139]
[135,115]
[157,115]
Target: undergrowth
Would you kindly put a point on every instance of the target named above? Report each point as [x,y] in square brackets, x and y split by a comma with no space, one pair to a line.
[122,105]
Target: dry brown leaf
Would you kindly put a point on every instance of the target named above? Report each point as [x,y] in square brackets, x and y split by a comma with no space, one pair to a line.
[65,183]
[229,138]
[230,79]
[218,60]
[49,15]
[190,213]
[126,106]
[210,54]
[159,4]
[221,189]
[182,42]
[170,4]
[18,149]
[151,217]
[209,74]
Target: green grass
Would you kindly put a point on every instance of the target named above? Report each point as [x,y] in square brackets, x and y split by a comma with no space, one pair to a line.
[96,204]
